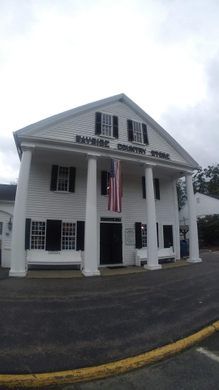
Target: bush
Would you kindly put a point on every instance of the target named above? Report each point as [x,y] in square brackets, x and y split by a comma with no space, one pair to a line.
[208,229]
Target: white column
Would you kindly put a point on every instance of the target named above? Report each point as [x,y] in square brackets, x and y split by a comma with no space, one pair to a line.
[90,250]
[18,255]
[176,234]
[193,231]
[152,250]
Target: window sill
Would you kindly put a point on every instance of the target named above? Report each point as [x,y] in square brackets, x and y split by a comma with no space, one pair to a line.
[139,143]
[107,136]
[62,192]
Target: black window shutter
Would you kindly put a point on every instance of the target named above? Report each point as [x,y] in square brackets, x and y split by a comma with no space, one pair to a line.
[143,187]
[115,127]
[157,234]
[80,235]
[98,123]
[27,233]
[72,172]
[104,182]
[145,133]
[157,188]
[54,175]
[138,238]
[53,235]
[130,130]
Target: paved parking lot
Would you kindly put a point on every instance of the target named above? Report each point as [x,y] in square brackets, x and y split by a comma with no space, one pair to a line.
[194,369]
[60,324]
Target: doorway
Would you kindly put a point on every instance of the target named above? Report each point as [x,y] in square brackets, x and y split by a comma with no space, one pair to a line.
[110,243]
[168,235]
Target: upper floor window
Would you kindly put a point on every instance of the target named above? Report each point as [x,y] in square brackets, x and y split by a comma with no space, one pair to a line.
[62,179]
[106,125]
[156,188]
[137,132]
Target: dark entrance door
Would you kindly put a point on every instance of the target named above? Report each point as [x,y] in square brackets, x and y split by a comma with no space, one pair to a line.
[168,235]
[110,243]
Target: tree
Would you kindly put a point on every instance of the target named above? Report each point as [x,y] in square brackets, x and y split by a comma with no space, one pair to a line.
[206,180]
[181,192]
[208,229]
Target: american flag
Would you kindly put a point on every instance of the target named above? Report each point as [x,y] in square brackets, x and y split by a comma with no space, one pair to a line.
[115,187]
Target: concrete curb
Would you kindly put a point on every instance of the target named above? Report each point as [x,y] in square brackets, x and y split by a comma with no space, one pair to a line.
[108,369]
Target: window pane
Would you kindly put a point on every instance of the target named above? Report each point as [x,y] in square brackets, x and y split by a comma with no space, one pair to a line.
[68,235]
[63,179]
[137,132]
[106,128]
[38,235]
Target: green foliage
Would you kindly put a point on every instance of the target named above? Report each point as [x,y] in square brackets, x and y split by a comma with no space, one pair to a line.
[208,229]
[206,180]
[181,192]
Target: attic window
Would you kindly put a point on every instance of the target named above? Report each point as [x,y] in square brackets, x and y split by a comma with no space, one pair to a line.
[106,125]
[137,132]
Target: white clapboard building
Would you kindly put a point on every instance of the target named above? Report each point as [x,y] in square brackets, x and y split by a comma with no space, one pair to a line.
[7,197]
[61,214]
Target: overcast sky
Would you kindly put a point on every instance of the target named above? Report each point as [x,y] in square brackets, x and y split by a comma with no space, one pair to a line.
[59,54]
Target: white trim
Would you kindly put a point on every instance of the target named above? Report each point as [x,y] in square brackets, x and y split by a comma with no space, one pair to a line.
[33,128]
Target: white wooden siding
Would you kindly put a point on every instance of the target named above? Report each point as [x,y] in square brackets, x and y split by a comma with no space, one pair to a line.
[44,204]
[84,124]
[6,212]
[205,205]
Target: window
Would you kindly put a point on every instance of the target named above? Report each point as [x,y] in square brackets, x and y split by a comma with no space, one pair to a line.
[144,235]
[106,128]
[63,179]
[68,236]
[137,132]
[106,125]
[38,235]
[1,227]
[156,188]
[104,182]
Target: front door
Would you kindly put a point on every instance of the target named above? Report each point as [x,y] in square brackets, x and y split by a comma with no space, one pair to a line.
[168,235]
[110,243]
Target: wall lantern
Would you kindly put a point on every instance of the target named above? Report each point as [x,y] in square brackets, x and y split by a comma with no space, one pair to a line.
[10,225]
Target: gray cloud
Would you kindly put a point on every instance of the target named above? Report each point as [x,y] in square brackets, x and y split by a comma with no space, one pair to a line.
[197,128]
[9,161]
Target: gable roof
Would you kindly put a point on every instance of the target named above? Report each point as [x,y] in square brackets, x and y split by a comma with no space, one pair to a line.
[8,192]
[33,128]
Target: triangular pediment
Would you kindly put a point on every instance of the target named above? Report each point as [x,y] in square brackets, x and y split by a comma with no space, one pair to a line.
[63,127]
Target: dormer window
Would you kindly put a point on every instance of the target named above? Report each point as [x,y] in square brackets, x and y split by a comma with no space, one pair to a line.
[137,132]
[106,125]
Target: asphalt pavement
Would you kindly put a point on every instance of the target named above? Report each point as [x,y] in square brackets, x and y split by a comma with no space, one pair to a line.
[194,369]
[49,325]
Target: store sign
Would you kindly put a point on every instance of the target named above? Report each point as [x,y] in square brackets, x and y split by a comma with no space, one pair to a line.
[129,148]
[80,139]
[155,153]
[92,141]
[129,236]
